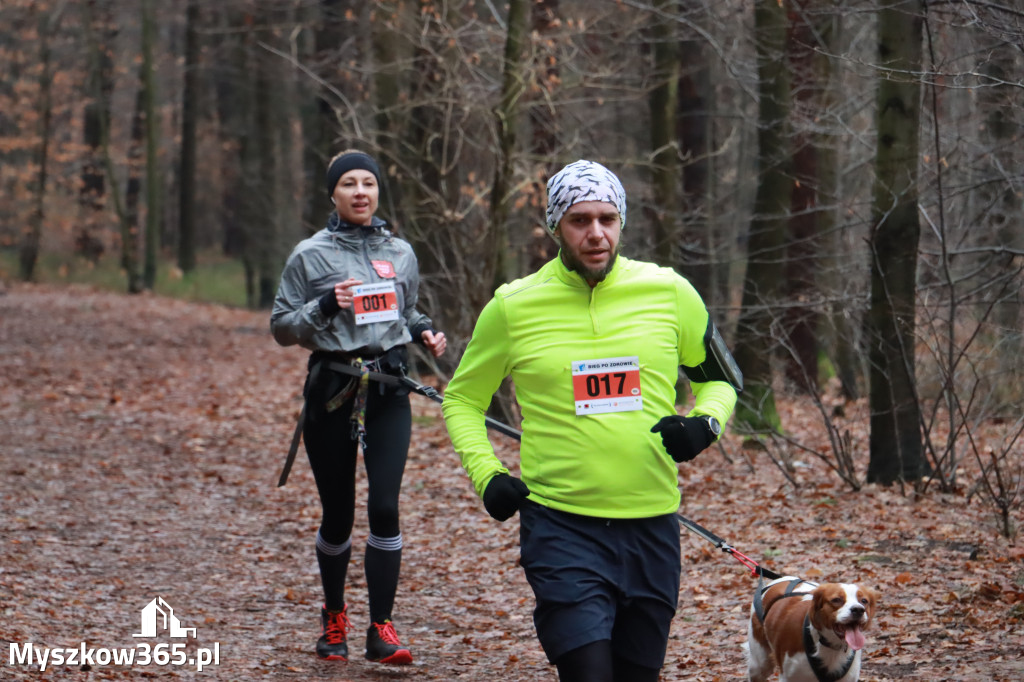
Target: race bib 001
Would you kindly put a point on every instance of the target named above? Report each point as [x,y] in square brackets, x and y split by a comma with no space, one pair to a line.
[608,385]
[375,302]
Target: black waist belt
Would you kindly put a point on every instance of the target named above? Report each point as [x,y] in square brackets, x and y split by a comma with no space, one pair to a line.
[343,364]
[356,371]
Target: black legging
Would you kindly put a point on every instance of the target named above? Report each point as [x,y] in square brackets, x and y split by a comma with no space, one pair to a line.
[595,662]
[333,453]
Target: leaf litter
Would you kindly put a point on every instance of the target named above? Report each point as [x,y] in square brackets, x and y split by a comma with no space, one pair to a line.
[140,443]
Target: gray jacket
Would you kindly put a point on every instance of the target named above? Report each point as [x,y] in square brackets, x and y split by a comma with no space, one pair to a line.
[333,254]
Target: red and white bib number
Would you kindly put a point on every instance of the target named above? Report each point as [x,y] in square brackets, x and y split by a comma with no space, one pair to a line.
[375,302]
[608,385]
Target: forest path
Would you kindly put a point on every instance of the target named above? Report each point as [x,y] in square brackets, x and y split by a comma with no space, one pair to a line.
[140,443]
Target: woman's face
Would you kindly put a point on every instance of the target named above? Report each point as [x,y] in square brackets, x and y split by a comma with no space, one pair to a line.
[355,196]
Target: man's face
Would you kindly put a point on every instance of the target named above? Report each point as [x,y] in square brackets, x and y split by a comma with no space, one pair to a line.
[589,236]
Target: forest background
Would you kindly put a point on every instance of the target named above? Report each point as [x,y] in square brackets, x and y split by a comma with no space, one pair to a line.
[840,180]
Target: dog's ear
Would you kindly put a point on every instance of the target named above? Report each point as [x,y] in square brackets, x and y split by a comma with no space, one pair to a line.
[820,598]
[823,594]
[871,595]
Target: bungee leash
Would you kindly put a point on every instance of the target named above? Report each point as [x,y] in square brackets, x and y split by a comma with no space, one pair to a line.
[431,393]
[755,568]
[382,378]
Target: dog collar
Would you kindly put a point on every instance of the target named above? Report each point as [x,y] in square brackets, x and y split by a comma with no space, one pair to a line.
[817,665]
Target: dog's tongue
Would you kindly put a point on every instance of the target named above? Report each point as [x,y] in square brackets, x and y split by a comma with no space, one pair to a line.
[854,637]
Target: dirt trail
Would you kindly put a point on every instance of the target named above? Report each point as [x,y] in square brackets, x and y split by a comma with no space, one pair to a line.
[140,443]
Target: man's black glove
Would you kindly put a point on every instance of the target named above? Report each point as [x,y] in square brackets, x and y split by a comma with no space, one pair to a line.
[503,496]
[684,437]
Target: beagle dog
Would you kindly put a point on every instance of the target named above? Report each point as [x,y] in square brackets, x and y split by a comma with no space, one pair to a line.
[812,632]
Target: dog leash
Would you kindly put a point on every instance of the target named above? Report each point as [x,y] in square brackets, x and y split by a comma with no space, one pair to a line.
[755,568]
[389,380]
[431,393]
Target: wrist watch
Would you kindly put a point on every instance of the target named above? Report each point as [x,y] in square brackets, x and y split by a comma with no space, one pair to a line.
[713,425]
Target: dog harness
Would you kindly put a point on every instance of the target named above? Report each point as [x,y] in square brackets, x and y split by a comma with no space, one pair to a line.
[759,608]
[817,665]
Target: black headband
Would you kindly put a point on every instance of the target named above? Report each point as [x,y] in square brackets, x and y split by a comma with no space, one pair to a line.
[343,164]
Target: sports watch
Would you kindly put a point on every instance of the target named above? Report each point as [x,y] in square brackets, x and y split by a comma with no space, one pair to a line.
[713,425]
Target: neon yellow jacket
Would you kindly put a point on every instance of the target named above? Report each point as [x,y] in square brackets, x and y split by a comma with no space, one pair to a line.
[607,465]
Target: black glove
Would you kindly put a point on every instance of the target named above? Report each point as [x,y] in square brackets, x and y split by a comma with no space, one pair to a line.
[329,304]
[684,437]
[503,496]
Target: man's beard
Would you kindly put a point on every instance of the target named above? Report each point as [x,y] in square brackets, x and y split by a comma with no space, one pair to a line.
[590,275]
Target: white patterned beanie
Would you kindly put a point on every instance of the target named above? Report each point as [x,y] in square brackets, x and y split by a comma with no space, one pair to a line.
[583,181]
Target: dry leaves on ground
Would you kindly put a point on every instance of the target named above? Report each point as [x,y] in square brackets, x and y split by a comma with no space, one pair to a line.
[141,443]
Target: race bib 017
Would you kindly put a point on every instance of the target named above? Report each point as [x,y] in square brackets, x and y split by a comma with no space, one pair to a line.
[607,385]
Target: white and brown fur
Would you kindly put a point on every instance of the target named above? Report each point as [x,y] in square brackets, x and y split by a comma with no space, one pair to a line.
[837,613]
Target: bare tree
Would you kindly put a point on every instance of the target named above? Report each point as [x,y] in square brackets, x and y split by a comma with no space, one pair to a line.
[95,117]
[1000,198]
[544,138]
[48,21]
[802,315]
[189,116]
[664,104]
[507,123]
[153,182]
[700,243]
[895,442]
[760,314]
[767,162]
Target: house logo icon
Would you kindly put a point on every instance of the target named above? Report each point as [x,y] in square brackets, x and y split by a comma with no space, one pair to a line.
[158,615]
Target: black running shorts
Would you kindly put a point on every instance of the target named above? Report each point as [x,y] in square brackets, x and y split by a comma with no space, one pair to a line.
[601,579]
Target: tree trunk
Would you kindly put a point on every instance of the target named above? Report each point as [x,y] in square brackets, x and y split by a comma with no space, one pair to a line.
[433,188]
[843,319]
[699,248]
[895,441]
[28,255]
[132,192]
[320,120]
[506,122]
[126,210]
[189,116]
[1001,136]
[251,203]
[544,132]
[287,163]
[759,315]
[95,114]
[271,95]
[663,102]
[152,133]
[801,320]
[387,82]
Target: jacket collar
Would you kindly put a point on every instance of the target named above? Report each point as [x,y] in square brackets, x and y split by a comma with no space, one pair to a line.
[336,224]
[352,235]
[573,278]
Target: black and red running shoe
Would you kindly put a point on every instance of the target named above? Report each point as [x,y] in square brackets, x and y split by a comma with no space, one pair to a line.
[382,645]
[333,642]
